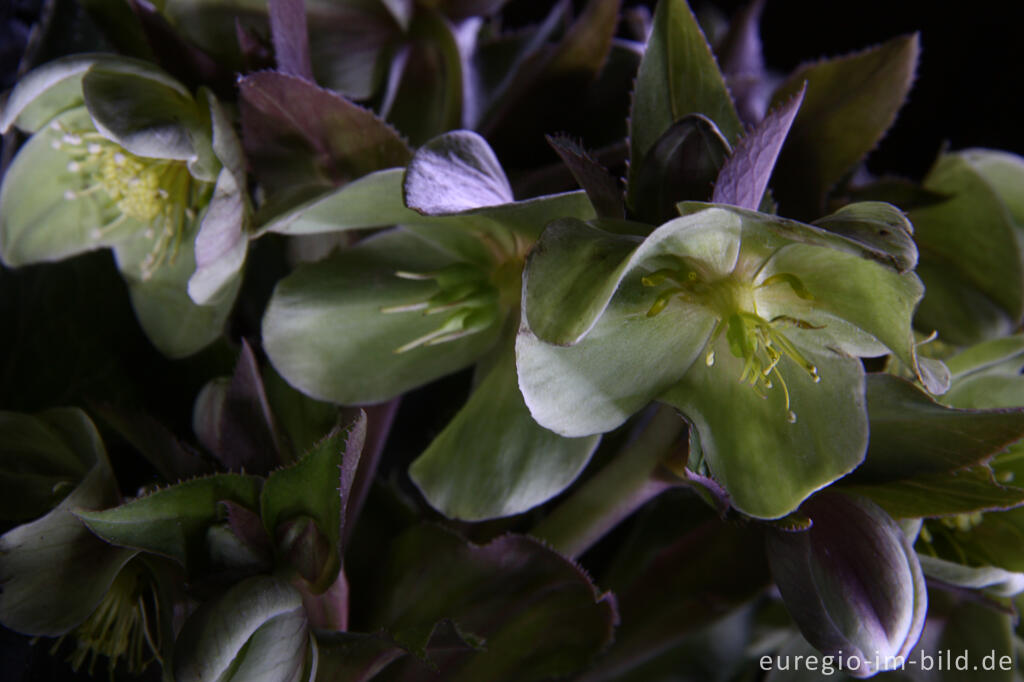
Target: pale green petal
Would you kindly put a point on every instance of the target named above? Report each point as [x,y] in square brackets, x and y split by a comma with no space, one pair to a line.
[767,464]
[493,459]
[38,222]
[326,335]
[625,361]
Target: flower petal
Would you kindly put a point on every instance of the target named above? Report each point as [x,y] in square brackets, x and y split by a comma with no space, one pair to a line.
[767,464]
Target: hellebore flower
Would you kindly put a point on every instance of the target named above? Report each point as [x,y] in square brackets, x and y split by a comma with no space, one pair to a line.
[749,324]
[122,156]
[437,294]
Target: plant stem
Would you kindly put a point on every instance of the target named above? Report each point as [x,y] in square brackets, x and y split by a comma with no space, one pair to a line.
[622,487]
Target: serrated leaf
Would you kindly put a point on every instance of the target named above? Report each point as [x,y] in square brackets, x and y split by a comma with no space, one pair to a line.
[678,76]
[296,133]
[912,435]
[316,487]
[850,103]
[744,176]
[173,521]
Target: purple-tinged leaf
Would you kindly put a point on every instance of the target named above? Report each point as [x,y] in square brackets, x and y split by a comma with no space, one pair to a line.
[744,176]
[679,587]
[852,582]
[539,614]
[849,105]
[296,133]
[964,491]
[233,420]
[680,166]
[291,37]
[180,58]
[378,421]
[247,527]
[455,172]
[601,188]
[912,435]
[742,60]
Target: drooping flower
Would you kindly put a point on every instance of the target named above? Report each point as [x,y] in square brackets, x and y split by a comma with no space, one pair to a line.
[751,325]
[122,156]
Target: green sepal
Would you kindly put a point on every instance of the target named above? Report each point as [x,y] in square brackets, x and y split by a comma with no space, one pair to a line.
[173,521]
[493,459]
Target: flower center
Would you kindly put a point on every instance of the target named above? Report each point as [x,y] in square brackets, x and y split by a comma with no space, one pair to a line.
[156,192]
[119,627]
[751,338]
[466,296]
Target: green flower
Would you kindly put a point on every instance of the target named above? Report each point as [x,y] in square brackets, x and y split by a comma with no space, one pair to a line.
[749,324]
[123,156]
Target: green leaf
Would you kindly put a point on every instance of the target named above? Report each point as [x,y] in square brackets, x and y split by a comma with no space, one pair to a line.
[1004,172]
[38,223]
[912,435]
[256,631]
[296,133]
[53,570]
[424,96]
[767,464]
[326,335]
[849,105]
[991,580]
[146,113]
[878,226]
[941,494]
[42,458]
[173,521]
[316,487]
[681,165]
[678,76]
[852,582]
[493,459]
[540,615]
[986,260]
[176,325]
